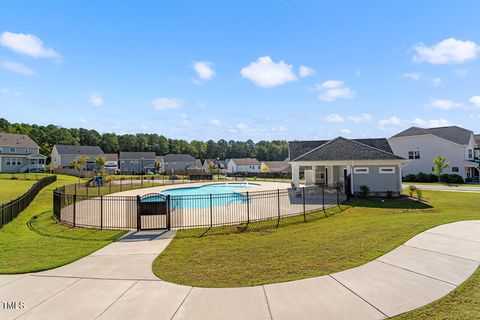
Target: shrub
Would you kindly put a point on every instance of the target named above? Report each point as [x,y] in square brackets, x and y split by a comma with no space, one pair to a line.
[451,178]
[411,189]
[409,178]
[364,191]
[421,177]
[419,194]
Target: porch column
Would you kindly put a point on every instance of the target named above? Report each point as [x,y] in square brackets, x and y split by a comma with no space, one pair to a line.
[314,170]
[296,175]
[400,178]
[330,174]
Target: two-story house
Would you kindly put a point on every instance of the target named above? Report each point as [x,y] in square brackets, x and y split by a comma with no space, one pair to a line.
[422,145]
[111,163]
[243,165]
[19,153]
[177,163]
[62,156]
[137,162]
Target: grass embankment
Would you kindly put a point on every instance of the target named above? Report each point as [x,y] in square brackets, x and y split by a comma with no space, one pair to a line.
[363,232]
[11,189]
[34,241]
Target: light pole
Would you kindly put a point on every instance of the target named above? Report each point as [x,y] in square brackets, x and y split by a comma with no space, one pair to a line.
[218,168]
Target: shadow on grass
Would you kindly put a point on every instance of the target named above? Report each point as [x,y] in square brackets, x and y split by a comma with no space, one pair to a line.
[400,203]
[53,230]
[261,226]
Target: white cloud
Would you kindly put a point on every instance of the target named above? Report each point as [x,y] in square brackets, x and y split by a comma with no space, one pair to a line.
[393,121]
[332,90]
[266,73]
[17,67]
[164,103]
[345,131]
[334,118]
[437,82]
[7,91]
[445,104]
[204,70]
[215,123]
[448,51]
[96,99]
[475,100]
[242,126]
[27,44]
[431,123]
[364,117]
[412,75]
[305,71]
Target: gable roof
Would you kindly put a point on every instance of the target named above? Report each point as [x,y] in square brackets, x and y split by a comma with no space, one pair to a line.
[298,148]
[452,133]
[345,149]
[178,157]
[16,140]
[245,161]
[111,156]
[276,166]
[72,149]
[137,155]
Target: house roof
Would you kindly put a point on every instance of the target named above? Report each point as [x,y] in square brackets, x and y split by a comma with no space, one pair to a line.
[72,149]
[298,148]
[276,166]
[477,139]
[16,140]
[137,155]
[158,158]
[452,133]
[345,149]
[198,163]
[245,161]
[178,157]
[111,156]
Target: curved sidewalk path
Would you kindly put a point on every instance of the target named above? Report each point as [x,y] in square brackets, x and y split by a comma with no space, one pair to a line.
[116,282]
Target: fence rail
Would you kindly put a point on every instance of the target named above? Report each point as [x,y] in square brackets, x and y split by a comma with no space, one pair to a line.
[157,211]
[11,209]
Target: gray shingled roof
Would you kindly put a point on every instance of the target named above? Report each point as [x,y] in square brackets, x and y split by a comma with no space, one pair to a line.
[137,155]
[16,140]
[245,161]
[298,148]
[111,156]
[451,133]
[277,166]
[344,149]
[72,149]
[178,157]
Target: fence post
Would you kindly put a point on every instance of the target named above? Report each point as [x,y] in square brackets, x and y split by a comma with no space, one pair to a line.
[278,207]
[338,200]
[3,214]
[75,188]
[139,217]
[131,183]
[304,211]
[101,212]
[74,209]
[168,212]
[248,210]
[110,186]
[323,200]
[211,211]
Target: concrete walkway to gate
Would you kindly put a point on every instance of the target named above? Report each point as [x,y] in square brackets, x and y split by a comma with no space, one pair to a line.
[116,282]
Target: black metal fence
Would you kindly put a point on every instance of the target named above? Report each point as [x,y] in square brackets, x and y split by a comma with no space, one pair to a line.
[158,211]
[10,210]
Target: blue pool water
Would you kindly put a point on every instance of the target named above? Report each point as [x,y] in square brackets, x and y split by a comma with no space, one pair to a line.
[199,197]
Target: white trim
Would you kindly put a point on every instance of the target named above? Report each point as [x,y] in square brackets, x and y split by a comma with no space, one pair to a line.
[381,170]
[364,170]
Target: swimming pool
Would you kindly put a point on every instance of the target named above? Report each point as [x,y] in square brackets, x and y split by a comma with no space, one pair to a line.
[216,194]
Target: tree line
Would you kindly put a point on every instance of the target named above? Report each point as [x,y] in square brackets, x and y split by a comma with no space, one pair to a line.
[47,136]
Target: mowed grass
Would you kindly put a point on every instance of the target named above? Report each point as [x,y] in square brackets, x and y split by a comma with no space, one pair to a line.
[11,189]
[363,232]
[34,241]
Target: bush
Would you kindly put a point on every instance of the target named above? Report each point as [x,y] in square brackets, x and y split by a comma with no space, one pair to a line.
[419,194]
[364,191]
[409,178]
[411,189]
[422,177]
[451,178]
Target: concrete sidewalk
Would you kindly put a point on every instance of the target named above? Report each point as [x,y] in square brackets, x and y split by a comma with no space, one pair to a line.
[437,187]
[116,282]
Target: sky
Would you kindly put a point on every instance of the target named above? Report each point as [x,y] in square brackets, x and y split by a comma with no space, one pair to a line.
[240,70]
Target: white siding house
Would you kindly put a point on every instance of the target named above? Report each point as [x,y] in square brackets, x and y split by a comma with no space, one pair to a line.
[421,146]
[243,165]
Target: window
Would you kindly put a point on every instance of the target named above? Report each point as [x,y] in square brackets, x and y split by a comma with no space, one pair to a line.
[455,169]
[470,153]
[361,170]
[12,150]
[386,170]
[1,149]
[413,155]
[7,161]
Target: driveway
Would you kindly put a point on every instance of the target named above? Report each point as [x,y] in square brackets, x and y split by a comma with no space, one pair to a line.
[116,282]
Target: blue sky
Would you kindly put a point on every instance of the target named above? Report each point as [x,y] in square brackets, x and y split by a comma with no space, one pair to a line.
[241,69]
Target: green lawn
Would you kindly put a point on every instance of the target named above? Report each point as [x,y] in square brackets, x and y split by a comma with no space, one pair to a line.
[11,189]
[34,241]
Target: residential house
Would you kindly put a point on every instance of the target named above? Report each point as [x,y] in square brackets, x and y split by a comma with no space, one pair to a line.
[213,163]
[63,155]
[243,165]
[19,153]
[159,164]
[177,163]
[275,167]
[351,163]
[111,163]
[422,145]
[137,162]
